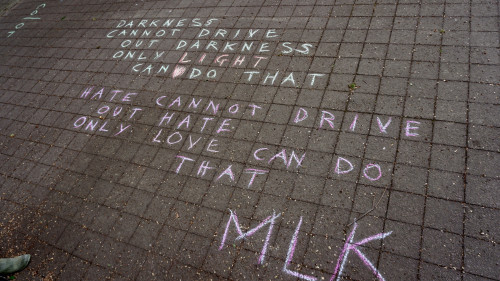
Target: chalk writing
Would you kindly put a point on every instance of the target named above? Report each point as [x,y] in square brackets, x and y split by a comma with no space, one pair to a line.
[349,246]
[115,116]
[227,173]
[112,111]
[242,235]
[31,17]
[210,46]
[292,157]
[353,246]
[345,166]
[289,256]
[198,125]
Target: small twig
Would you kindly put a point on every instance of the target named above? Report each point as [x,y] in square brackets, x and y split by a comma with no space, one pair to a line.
[374,206]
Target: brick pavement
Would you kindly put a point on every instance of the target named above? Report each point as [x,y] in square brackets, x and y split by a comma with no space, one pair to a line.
[293,140]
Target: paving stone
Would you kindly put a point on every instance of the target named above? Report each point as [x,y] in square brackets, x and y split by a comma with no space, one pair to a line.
[447,246]
[482,163]
[409,211]
[436,210]
[448,158]
[413,153]
[410,178]
[435,272]
[479,253]
[405,241]
[477,223]
[481,190]
[446,185]
[449,133]
[74,268]
[314,112]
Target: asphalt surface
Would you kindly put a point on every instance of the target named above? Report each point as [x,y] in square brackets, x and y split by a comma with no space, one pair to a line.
[251,140]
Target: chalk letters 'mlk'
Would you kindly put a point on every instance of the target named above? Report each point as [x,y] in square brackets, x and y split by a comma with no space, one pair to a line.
[349,246]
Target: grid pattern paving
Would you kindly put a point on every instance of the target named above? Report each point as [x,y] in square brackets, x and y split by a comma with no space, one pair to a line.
[134,133]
